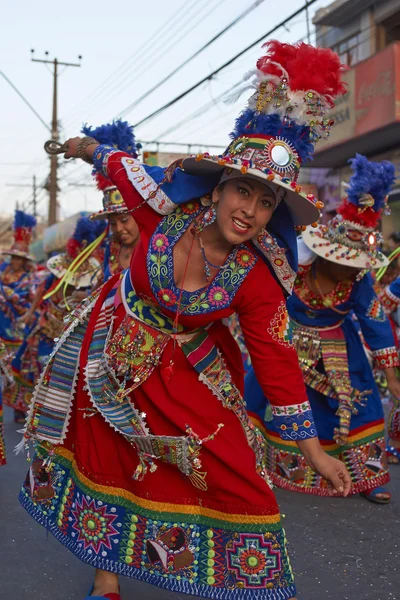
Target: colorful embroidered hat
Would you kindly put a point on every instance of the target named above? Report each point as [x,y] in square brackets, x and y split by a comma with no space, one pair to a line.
[119,135]
[87,272]
[22,231]
[351,238]
[295,86]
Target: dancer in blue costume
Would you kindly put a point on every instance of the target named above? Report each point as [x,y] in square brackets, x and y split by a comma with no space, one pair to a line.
[330,291]
[16,292]
[15,280]
[52,303]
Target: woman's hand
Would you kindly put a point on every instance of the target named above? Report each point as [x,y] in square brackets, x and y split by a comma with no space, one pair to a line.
[328,467]
[333,470]
[72,144]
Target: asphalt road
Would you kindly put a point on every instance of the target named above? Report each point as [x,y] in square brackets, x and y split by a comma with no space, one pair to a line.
[342,549]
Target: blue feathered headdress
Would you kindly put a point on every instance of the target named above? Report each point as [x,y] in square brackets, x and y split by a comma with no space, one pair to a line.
[374,178]
[86,231]
[118,134]
[22,219]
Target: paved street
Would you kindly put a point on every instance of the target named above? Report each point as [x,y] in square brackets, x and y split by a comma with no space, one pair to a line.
[341,549]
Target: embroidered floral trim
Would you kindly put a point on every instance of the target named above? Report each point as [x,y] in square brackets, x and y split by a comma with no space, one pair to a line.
[291,409]
[296,426]
[375,311]
[138,176]
[160,266]
[385,358]
[339,295]
[389,300]
[281,328]
[277,258]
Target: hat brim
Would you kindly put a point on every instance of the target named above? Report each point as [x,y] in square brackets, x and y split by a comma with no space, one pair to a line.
[56,266]
[302,209]
[104,214]
[330,252]
[18,253]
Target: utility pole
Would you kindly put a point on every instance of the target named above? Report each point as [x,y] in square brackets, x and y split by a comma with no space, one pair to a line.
[52,185]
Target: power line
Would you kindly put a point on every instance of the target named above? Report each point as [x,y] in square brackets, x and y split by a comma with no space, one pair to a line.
[193,56]
[164,49]
[109,83]
[226,64]
[20,94]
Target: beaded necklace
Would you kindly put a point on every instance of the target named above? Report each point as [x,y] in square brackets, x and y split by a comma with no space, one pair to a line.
[325,301]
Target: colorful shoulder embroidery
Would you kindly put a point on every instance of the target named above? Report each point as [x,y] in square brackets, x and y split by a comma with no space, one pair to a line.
[160,266]
[281,328]
[375,311]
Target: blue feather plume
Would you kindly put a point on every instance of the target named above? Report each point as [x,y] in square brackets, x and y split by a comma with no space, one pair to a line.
[87,230]
[118,134]
[249,122]
[22,219]
[375,178]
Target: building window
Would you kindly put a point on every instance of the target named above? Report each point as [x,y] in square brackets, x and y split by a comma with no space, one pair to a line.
[348,50]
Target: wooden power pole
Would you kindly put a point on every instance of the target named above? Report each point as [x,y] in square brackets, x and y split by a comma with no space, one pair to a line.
[53,185]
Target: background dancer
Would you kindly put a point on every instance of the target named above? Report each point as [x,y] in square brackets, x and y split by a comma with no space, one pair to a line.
[46,316]
[16,292]
[330,288]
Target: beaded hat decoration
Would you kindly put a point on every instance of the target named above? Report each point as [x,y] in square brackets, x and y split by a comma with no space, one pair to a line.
[352,238]
[294,88]
[119,135]
[23,227]
[68,268]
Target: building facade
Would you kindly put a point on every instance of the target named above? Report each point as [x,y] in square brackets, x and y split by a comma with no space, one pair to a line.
[366,34]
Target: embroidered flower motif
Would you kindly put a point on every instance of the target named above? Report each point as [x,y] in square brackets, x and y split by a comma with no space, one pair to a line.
[167,297]
[252,561]
[217,296]
[190,208]
[245,258]
[93,524]
[160,243]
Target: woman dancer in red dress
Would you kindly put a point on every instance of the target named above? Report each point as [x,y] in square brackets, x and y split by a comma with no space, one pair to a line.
[146,463]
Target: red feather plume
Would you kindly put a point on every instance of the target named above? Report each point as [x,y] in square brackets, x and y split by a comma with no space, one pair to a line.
[368,218]
[102,182]
[308,68]
[73,247]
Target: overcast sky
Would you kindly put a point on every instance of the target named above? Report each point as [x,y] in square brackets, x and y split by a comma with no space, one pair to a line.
[127,47]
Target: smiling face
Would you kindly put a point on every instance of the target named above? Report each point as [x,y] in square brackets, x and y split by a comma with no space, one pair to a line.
[124,228]
[244,207]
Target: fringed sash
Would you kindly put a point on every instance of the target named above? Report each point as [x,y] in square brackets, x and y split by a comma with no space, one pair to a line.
[329,345]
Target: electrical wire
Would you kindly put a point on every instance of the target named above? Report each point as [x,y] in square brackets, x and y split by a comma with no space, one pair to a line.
[219,69]
[20,94]
[235,21]
[141,57]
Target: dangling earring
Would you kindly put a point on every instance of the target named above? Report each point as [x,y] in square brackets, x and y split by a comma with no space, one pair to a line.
[206,218]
